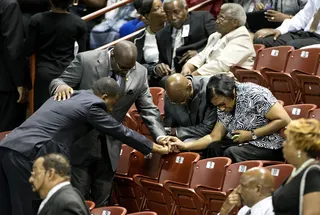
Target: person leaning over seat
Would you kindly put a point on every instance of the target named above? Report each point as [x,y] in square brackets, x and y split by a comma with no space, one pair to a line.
[248,125]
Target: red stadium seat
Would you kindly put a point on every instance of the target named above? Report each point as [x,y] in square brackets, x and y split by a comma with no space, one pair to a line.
[280,172]
[90,204]
[3,134]
[309,88]
[208,172]
[315,114]
[124,162]
[300,110]
[144,213]
[110,210]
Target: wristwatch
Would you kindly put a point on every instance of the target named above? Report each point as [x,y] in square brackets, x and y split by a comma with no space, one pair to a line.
[254,136]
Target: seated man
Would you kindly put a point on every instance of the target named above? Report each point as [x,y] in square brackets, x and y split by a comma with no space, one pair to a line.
[186,35]
[302,30]
[187,112]
[230,45]
[254,193]
[54,128]
[54,187]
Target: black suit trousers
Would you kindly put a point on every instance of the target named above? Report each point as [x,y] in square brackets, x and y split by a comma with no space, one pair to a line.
[296,39]
[238,153]
[16,196]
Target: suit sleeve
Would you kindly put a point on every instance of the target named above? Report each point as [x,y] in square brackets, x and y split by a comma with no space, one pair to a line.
[201,129]
[71,76]
[31,41]
[149,113]
[12,32]
[105,123]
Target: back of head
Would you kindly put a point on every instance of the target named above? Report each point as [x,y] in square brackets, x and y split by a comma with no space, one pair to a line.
[220,85]
[235,11]
[106,86]
[176,85]
[59,163]
[126,51]
[143,6]
[62,4]
[305,134]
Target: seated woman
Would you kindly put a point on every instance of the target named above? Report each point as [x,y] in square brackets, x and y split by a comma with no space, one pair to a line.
[52,36]
[300,193]
[148,54]
[248,125]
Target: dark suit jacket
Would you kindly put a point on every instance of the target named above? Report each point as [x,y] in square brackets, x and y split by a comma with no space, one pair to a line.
[201,24]
[11,46]
[57,125]
[66,201]
[196,119]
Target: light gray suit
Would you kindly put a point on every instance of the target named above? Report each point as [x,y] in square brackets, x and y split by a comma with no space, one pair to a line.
[196,119]
[83,71]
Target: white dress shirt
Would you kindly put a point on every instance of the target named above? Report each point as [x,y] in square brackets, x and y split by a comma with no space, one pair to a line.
[264,207]
[51,192]
[302,20]
[178,41]
[150,49]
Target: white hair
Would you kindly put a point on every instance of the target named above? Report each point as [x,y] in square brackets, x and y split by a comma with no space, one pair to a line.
[183,2]
[236,11]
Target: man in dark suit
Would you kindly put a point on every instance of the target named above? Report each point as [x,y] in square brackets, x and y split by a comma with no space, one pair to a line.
[185,36]
[13,94]
[188,115]
[53,129]
[92,172]
[50,178]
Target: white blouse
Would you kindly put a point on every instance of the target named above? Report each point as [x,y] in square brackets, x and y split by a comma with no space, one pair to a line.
[150,49]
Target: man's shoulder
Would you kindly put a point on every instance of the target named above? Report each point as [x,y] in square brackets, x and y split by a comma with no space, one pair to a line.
[92,54]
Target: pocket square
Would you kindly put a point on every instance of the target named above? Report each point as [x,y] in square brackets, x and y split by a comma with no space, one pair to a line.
[130,92]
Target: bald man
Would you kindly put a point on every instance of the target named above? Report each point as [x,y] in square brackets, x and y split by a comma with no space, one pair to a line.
[188,115]
[254,193]
[93,172]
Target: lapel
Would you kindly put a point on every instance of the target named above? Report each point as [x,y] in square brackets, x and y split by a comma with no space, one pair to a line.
[168,44]
[196,101]
[188,22]
[103,64]
[127,81]
[47,208]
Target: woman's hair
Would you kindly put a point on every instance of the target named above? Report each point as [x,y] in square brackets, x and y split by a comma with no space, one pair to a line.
[305,134]
[62,4]
[220,85]
[236,11]
[143,6]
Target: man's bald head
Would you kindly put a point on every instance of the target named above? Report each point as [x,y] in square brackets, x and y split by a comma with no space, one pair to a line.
[126,54]
[178,88]
[255,185]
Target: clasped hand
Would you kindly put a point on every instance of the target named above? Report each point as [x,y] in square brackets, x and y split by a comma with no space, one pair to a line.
[170,144]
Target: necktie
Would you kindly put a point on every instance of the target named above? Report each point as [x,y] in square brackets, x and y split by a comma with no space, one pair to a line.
[315,22]
[177,43]
[248,212]
[113,75]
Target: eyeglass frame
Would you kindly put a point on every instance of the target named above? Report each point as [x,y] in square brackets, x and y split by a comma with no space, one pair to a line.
[121,69]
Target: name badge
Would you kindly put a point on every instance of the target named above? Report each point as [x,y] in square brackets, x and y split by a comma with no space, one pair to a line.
[185,30]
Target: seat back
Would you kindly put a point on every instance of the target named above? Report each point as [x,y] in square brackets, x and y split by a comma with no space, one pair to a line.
[274,58]
[3,134]
[304,60]
[309,88]
[124,161]
[235,170]
[315,114]
[210,172]
[144,213]
[298,111]
[110,210]
[258,47]
[281,102]
[90,204]
[157,94]
[176,167]
[280,172]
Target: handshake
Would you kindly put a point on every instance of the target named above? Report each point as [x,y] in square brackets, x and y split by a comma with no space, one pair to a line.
[168,144]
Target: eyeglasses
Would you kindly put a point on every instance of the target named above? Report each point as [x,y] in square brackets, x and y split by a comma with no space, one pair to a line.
[120,68]
[184,101]
[221,18]
[222,104]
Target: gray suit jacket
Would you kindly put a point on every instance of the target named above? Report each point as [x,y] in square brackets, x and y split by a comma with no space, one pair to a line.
[66,201]
[90,66]
[196,119]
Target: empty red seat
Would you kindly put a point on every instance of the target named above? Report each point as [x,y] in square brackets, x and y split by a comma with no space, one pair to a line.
[110,210]
[280,172]
[309,88]
[282,85]
[177,168]
[215,198]
[129,193]
[298,111]
[207,172]
[90,204]
[144,213]
[124,161]
[315,114]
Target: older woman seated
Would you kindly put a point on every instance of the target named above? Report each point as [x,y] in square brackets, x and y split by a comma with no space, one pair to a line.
[300,193]
[249,121]
[230,45]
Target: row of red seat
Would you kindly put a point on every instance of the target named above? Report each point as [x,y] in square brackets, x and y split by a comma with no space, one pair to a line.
[180,183]
[293,76]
